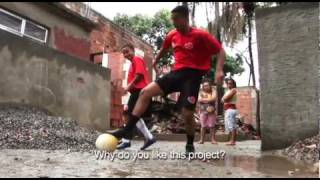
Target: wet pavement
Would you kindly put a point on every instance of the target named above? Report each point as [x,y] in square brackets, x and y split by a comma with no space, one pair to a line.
[243,160]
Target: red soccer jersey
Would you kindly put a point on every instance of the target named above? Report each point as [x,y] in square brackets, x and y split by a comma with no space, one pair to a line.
[138,67]
[192,50]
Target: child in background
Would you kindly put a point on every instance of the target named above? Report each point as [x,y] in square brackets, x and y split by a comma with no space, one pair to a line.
[229,101]
[207,98]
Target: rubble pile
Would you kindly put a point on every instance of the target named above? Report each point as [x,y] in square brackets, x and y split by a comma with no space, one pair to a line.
[167,127]
[25,127]
[306,150]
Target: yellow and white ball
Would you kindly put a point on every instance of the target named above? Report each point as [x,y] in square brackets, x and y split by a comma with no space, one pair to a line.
[107,142]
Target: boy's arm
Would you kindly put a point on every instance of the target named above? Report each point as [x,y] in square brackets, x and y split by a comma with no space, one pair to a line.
[161,53]
[137,78]
[219,73]
[163,50]
[215,47]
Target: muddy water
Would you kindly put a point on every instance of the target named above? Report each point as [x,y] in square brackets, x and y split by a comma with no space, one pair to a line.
[269,165]
[244,160]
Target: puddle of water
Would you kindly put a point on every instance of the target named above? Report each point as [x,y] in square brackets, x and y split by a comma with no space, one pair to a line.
[237,163]
[121,174]
[266,164]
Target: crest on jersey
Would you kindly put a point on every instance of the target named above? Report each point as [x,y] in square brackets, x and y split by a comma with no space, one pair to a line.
[188,45]
[191,99]
[173,45]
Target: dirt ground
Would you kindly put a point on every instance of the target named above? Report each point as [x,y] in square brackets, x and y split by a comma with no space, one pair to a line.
[35,144]
[244,160]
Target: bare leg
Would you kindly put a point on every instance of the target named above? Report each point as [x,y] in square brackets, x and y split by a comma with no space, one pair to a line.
[233,138]
[213,136]
[153,89]
[202,134]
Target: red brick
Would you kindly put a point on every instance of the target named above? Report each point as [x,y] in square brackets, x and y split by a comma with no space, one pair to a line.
[69,44]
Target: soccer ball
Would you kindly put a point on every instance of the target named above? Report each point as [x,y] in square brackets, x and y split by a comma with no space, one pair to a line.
[107,142]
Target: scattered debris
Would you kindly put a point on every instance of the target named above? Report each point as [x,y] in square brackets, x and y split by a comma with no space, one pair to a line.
[313,146]
[306,150]
[290,173]
[25,127]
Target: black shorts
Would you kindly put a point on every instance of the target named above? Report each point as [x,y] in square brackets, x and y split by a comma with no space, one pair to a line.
[134,95]
[185,81]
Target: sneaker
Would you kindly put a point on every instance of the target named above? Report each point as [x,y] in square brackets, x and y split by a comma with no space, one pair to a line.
[124,145]
[148,143]
[189,149]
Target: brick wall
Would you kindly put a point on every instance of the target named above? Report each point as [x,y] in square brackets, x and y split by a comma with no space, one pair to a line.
[116,62]
[109,38]
[71,45]
[247,104]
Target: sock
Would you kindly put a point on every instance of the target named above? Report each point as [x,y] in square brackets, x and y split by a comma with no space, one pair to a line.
[127,131]
[144,129]
[190,139]
[131,122]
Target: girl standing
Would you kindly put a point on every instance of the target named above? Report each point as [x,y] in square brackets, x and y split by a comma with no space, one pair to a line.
[229,103]
[207,98]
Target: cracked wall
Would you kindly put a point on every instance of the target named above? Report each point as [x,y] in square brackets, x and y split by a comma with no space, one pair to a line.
[66,86]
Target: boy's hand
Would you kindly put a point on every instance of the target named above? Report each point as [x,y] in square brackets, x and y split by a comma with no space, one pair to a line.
[219,77]
[125,107]
[126,90]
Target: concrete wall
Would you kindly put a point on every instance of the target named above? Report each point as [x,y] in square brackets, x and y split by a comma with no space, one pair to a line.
[66,34]
[66,86]
[288,48]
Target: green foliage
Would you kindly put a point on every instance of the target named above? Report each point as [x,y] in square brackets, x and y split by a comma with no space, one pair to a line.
[232,65]
[151,29]
[138,24]
[154,29]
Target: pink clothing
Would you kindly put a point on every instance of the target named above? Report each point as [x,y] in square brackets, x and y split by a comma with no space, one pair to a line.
[207,120]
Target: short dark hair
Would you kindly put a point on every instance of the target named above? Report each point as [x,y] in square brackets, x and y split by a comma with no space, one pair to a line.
[233,82]
[183,10]
[128,46]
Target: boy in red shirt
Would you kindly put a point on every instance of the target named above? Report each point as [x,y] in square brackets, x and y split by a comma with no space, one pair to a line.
[193,49]
[138,78]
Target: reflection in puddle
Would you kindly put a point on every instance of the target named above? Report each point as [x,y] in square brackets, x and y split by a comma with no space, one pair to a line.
[121,174]
[266,164]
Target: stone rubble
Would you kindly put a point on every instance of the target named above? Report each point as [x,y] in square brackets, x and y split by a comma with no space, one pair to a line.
[306,150]
[25,127]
